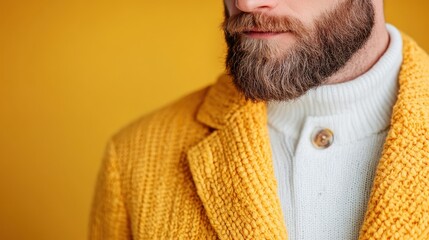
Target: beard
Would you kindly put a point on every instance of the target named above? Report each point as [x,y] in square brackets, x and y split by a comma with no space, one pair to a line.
[264,70]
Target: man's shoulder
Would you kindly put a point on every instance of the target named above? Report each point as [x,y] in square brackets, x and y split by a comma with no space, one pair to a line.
[413,50]
[174,116]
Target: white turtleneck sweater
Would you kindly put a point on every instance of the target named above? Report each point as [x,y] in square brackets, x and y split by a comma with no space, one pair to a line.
[324,192]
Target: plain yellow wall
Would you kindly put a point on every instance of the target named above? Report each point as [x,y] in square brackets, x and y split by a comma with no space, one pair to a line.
[73,72]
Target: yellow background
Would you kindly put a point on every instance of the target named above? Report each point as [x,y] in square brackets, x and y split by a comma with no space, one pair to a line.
[73,72]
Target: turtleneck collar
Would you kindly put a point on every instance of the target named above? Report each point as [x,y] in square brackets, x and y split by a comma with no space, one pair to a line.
[359,107]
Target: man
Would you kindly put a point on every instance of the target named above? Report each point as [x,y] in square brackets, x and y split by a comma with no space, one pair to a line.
[318,131]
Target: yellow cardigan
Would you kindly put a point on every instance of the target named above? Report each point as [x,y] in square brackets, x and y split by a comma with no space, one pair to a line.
[201,168]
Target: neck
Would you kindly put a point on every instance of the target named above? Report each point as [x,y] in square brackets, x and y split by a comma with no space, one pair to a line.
[367,56]
[360,107]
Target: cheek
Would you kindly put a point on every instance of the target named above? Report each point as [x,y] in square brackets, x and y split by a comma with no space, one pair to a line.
[230,7]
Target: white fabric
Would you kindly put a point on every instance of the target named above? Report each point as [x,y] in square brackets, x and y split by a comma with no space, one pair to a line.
[324,193]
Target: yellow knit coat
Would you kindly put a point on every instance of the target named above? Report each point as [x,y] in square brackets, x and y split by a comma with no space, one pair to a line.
[201,168]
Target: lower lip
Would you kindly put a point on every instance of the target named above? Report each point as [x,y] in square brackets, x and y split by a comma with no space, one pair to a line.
[264,35]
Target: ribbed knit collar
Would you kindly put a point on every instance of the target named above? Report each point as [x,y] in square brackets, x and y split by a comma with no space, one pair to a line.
[358,108]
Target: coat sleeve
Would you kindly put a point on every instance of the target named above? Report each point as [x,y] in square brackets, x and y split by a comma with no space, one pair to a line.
[109,219]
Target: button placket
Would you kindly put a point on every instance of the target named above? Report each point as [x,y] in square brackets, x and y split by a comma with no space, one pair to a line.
[312,169]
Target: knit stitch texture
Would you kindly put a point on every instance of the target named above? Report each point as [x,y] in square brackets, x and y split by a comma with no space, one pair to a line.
[201,168]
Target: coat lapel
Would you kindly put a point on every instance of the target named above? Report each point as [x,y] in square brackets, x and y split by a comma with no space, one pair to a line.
[399,202]
[233,170]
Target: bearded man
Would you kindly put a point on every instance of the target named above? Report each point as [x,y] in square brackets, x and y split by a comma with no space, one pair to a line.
[318,130]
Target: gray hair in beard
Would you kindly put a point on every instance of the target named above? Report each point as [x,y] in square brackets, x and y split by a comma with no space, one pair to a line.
[263,71]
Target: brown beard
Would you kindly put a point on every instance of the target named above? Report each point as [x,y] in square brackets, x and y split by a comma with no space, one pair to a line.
[262,71]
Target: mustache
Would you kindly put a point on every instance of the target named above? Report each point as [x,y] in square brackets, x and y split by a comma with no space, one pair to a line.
[260,22]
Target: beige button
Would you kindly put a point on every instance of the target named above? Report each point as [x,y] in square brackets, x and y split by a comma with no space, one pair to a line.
[323,138]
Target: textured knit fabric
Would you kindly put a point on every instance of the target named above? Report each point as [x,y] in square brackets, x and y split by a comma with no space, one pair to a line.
[324,192]
[201,168]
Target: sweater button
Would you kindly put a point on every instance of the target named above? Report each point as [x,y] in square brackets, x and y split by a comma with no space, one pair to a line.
[322,138]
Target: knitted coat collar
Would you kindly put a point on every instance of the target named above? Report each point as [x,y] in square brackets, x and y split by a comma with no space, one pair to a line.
[233,171]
